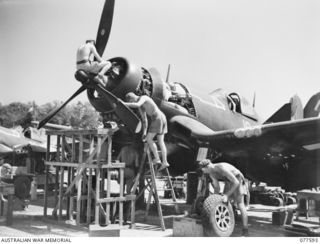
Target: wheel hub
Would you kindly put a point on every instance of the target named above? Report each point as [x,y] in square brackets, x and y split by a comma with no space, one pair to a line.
[222,217]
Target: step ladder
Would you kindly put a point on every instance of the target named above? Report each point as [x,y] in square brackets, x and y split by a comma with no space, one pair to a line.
[150,177]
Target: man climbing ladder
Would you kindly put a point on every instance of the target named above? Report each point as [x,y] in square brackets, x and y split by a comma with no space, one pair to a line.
[157,127]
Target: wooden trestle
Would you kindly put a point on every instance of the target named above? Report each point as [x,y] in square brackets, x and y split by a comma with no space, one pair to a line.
[83,165]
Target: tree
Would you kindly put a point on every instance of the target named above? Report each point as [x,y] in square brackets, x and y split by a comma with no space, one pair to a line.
[79,115]
[13,114]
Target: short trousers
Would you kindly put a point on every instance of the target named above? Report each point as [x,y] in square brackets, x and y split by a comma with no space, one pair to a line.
[239,192]
[158,124]
[92,67]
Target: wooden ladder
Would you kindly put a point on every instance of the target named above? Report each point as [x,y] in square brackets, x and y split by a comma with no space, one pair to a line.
[150,177]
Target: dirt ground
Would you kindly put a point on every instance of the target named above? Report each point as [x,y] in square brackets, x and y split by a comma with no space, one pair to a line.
[30,222]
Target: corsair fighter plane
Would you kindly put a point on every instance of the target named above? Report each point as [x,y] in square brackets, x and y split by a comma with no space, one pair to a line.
[224,126]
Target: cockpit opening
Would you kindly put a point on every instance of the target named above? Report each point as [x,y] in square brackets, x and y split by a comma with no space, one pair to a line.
[179,94]
[234,102]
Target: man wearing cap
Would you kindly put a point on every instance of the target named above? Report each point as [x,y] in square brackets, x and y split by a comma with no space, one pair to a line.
[235,187]
[85,54]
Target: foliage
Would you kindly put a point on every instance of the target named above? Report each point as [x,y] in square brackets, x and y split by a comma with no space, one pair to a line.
[79,115]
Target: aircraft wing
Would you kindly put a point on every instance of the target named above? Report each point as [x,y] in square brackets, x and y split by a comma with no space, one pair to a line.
[303,134]
[274,152]
[15,141]
[4,149]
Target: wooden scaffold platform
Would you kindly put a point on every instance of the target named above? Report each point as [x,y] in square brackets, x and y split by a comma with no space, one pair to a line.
[83,166]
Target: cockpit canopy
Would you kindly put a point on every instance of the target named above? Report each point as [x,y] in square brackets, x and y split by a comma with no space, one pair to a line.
[241,105]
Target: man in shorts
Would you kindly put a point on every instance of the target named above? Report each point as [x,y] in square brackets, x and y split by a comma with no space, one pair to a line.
[235,187]
[85,54]
[157,127]
[129,155]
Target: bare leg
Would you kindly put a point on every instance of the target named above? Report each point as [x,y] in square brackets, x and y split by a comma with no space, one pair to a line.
[152,145]
[105,68]
[102,72]
[163,149]
[244,217]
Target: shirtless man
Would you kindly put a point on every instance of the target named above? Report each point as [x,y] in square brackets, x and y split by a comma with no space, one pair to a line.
[85,54]
[130,156]
[158,125]
[235,187]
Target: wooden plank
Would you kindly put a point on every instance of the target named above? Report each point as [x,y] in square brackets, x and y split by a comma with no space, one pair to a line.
[108,196]
[121,195]
[45,205]
[61,178]
[71,209]
[91,166]
[56,183]
[89,197]
[117,199]
[68,198]
[79,186]
[61,193]
[109,146]
[81,150]
[133,214]
[79,174]
[72,170]
[69,133]
[97,196]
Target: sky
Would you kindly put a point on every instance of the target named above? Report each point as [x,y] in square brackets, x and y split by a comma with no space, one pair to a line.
[270,48]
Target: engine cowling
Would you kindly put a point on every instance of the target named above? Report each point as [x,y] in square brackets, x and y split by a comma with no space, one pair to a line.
[123,77]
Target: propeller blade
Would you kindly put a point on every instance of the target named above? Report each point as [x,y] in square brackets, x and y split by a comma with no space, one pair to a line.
[121,110]
[104,26]
[168,73]
[54,112]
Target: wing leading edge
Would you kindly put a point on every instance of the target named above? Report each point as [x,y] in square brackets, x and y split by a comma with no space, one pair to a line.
[284,154]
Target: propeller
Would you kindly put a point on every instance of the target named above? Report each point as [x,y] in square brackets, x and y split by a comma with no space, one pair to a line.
[54,112]
[168,73]
[104,26]
[122,111]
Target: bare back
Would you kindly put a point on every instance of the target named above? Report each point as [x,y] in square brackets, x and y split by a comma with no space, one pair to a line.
[218,170]
[84,52]
[150,107]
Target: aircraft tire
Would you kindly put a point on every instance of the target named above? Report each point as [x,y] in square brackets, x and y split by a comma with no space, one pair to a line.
[22,186]
[218,217]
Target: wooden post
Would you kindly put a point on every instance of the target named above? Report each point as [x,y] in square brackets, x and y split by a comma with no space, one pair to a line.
[73,158]
[61,177]
[89,197]
[121,195]
[56,183]
[83,178]
[97,196]
[79,183]
[79,189]
[45,205]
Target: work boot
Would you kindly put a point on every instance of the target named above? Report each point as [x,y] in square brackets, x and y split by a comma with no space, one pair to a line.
[245,232]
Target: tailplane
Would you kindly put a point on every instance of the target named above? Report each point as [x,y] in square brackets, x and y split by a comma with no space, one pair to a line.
[292,110]
[312,108]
